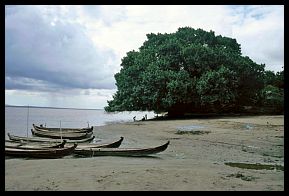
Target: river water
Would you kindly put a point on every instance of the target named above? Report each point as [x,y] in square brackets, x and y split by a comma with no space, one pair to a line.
[19,120]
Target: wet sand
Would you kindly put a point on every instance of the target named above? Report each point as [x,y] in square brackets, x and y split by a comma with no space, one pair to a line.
[198,160]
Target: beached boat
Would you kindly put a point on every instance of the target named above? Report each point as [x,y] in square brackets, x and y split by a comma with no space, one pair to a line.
[33,145]
[46,153]
[90,152]
[48,140]
[59,135]
[115,144]
[76,130]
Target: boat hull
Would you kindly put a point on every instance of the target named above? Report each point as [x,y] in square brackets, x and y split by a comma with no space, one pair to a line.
[115,144]
[29,145]
[90,152]
[48,140]
[45,153]
[68,130]
[59,135]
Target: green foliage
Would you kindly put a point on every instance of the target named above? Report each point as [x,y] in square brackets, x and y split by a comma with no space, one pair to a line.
[277,80]
[269,78]
[186,71]
[218,87]
[273,97]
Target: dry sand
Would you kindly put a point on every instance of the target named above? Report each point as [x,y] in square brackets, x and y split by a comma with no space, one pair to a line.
[192,162]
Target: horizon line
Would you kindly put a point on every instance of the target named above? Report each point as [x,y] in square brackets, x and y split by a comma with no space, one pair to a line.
[52,107]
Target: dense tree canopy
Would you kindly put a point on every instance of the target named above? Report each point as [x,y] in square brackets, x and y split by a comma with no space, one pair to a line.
[272,95]
[190,70]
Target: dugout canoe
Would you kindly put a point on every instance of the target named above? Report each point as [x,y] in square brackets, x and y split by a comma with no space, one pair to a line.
[59,135]
[33,145]
[73,130]
[47,140]
[90,152]
[115,144]
[45,153]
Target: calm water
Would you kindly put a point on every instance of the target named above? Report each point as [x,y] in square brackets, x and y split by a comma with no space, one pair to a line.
[16,118]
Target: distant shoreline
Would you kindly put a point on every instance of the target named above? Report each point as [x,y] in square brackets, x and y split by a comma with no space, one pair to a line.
[50,107]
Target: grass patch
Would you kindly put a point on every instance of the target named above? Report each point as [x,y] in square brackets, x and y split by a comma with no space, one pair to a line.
[193,132]
[256,166]
[243,177]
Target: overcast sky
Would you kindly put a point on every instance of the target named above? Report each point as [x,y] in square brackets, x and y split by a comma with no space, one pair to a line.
[66,56]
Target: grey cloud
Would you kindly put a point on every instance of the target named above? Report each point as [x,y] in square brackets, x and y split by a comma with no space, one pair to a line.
[52,52]
[22,83]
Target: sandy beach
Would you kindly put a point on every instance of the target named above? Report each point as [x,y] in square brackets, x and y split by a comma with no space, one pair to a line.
[212,154]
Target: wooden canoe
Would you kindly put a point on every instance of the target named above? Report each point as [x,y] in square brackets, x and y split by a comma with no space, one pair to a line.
[73,130]
[33,145]
[46,153]
[115,144]
[48,140]
[59,135]
[90,152]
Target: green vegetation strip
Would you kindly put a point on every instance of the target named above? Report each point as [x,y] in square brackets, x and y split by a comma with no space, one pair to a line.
[192,132]
[256,166]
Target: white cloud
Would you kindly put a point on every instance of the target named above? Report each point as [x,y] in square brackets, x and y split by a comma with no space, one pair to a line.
[261,35]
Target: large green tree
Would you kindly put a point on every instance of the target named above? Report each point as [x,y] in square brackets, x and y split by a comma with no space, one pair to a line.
[191,70]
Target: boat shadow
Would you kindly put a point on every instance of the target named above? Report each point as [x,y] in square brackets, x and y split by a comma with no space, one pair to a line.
[134,157]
